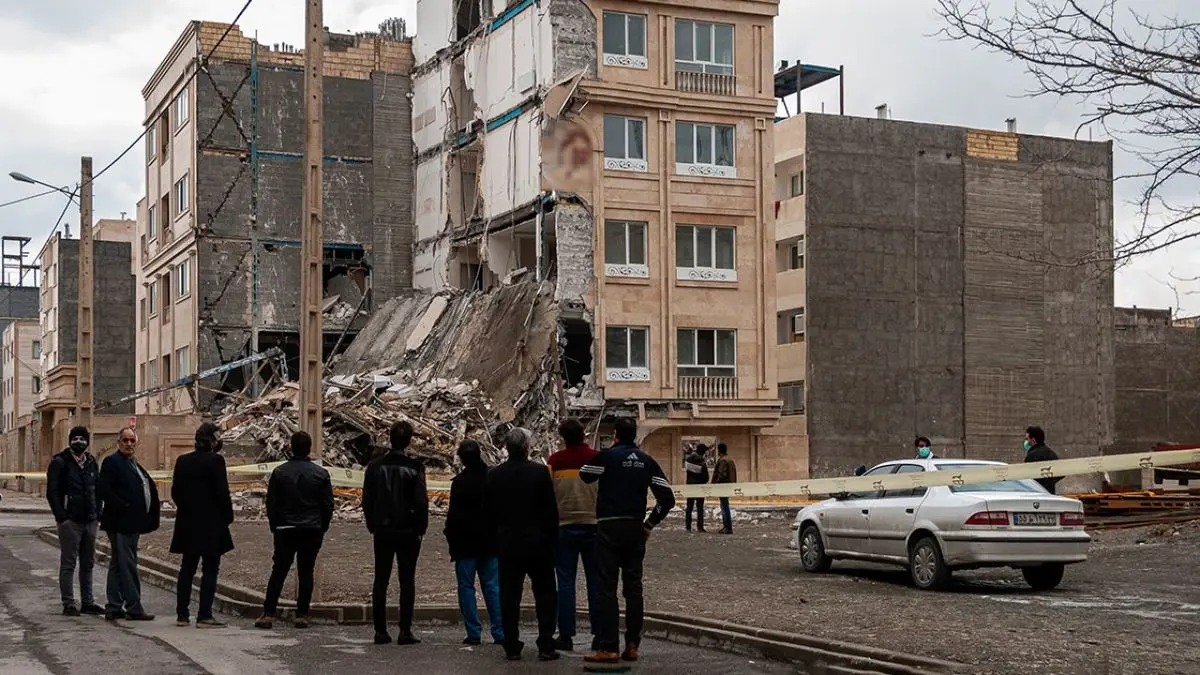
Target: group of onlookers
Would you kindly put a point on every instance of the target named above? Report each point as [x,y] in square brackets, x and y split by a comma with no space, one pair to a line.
[696,469]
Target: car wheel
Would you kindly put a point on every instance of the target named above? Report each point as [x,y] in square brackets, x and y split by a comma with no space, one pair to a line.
[1044,577]
[812,551]
[929,571]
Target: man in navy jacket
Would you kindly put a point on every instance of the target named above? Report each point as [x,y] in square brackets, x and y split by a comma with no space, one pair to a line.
[130,509]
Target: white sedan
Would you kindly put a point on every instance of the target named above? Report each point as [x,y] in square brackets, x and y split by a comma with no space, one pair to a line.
[934,531]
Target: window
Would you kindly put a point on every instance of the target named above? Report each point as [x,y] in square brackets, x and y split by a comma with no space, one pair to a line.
[151,142]
[183,280]
[625,40]
[627,354]
[705,352]
[151,224]
[797,184]
[166,368]
[142,313]
[181,196]
[790,326]
[705,253]
[164,136]
[152,297]
[625,143]
[877,471]
[36,351]
[1026,485]
[37,384]
[152,369]
[796,254]
[182,362]
[792,394]
[704,149]
[702,47]
[141,377]
[181,108]
[625,249]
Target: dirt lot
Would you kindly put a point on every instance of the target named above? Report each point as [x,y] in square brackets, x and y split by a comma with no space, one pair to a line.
[1133,608]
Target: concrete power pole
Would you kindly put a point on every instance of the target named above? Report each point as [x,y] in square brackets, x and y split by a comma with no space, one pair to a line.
[312,245]
[84,348]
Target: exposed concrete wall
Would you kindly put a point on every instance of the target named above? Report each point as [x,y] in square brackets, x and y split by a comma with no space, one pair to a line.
[1157,381]
[392,240]
[921,319]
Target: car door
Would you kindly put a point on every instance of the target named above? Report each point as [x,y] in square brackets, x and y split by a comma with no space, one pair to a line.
[848,521]
[892,517]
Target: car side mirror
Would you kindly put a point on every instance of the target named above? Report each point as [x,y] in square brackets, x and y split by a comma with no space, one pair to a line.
[860,470]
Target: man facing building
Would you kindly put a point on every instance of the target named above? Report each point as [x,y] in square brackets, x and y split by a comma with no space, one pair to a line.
[576,529]
[71,490]
[203,514]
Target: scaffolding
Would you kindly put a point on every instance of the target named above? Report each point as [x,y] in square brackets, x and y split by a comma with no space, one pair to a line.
[13,269]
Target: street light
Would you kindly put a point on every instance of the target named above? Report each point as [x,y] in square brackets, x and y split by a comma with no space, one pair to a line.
[22,178]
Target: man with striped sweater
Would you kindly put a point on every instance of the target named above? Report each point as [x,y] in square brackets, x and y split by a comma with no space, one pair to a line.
[625,474]
[576,528]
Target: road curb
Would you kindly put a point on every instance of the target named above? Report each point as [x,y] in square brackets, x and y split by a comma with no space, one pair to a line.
[817,655]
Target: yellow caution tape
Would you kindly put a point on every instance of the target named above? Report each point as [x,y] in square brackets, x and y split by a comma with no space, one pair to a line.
[353,478]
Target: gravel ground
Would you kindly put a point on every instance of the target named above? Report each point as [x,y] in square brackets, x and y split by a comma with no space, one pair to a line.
[1132,608]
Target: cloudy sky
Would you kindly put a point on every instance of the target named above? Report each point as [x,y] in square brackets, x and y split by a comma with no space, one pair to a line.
[71,73]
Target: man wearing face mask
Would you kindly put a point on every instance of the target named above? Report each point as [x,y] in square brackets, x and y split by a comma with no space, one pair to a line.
[71,491]
[1036,450]
[924,448]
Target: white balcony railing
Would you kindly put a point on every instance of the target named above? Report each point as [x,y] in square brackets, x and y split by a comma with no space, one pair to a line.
[708,388]
[717,84]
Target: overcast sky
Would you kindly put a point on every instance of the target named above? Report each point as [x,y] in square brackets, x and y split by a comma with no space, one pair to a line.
[72,71]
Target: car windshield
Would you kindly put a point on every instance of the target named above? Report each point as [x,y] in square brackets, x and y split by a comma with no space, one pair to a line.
[994,486]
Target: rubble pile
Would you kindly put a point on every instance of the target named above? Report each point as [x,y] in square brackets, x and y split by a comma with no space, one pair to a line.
[359,410]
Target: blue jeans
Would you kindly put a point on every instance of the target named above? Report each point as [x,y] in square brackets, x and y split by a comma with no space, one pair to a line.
[726,516]
[575,542]
[489,580]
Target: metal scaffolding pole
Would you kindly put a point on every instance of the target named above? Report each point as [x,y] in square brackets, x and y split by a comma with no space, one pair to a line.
[311,364]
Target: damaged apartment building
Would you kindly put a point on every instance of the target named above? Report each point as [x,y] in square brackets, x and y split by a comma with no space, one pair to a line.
[621,154]
[218,246]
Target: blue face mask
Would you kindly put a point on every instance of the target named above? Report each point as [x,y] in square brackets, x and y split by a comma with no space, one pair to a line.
[924,452]
[1028,447]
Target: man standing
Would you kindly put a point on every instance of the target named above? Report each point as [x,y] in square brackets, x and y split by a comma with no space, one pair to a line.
[924,448]
[1036,450]
[130,509]
[396,508]
[723,474]
[576,530]
[523,518]
[471,546]
[71,490]
[203,514]
[299,510]
[625,474]
[696,467]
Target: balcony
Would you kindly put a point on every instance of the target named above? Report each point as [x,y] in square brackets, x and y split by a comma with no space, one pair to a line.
[716,84]
[708,388]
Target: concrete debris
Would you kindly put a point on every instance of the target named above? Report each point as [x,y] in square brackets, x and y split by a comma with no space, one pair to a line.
[338,313]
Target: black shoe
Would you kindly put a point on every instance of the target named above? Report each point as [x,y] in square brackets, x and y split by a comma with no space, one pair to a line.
[140,617]
[473,642]
[595,644]
[382,638]
[548,656]
[564,644]
[407,638]
[70,610]
[92,608]
[113,616]
[513,652]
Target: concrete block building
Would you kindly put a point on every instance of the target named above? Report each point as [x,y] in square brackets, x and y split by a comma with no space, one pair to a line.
[21,346]
[16,302]
[925,288]
[1158,380]
[218,245]
[624,151]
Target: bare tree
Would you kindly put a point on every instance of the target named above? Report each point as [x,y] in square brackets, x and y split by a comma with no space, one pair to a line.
[1141,76]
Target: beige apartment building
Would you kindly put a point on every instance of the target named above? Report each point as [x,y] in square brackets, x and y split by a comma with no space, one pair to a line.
[624,151]
[22,354]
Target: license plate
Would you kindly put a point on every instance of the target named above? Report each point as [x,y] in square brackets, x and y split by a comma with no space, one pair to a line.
[1035,519]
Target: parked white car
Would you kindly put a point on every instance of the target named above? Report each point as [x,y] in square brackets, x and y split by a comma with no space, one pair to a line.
[934,531]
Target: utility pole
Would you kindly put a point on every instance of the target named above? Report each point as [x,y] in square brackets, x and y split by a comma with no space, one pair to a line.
[311,363]
[84,347]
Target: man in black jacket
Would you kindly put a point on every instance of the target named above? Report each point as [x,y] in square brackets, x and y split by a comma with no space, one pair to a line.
[1036,450]
[471,547]
[696,468]
[299,510]
[71,491]
[203,514]
[396,508]
[625,474]
[523,517]
[130,509]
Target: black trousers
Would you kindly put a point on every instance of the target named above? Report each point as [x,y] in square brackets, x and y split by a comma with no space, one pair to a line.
[403,550]
[208,585]
[620,550]
[698,503]
[540,570]
[301,546]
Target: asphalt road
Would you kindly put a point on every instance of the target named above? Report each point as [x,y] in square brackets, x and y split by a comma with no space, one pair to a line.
[35,638]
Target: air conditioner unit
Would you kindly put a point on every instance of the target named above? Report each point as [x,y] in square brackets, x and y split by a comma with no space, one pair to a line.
[526,81]
[798,324]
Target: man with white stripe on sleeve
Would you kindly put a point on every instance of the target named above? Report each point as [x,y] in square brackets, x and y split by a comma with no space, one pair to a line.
[625,474]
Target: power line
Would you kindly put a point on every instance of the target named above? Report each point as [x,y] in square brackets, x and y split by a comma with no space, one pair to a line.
[146,130]
[27,198]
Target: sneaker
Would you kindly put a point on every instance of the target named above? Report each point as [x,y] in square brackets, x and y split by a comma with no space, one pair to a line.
[551,655]
[405,637]
[603,657]
[382,638]
[302,622]
[265,621]
[183,621]
[70,610]
[140,617]
[630,653]
[564,644]
[472,642]
[209,623]
[92,608]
